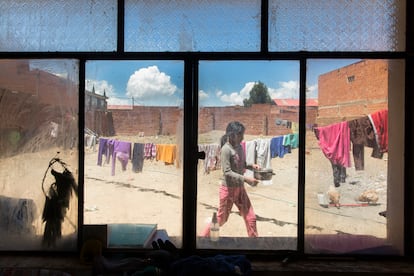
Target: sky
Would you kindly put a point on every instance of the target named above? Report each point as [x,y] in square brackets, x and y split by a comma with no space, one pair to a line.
[221,83]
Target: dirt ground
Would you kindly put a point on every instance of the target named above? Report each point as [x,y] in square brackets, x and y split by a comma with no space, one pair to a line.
[155,194]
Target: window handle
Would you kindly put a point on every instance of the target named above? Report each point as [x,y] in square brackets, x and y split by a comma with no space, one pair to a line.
[201,155]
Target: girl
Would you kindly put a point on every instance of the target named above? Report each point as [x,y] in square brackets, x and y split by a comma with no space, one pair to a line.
[232,190]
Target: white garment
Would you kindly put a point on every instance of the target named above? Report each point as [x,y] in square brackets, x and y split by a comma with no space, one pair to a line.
[251,152]
[263,156]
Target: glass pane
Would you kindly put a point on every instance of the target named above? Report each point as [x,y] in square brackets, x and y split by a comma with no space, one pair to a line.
[354,151]
[322,25]
[192,25]
[133,151]
[43,25]
[38,154]
[262,96]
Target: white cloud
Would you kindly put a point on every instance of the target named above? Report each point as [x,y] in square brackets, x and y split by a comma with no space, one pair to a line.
[100,87]
[148,84]
[236,98]
[287,90]
[202,95]
[312,91]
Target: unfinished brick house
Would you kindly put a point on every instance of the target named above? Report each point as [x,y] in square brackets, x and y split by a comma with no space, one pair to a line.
[353,91]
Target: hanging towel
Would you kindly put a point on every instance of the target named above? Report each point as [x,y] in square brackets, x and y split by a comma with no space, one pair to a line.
[291,140]
[166,153]
[263,153]
[334,141]
[250,152]
[276,147]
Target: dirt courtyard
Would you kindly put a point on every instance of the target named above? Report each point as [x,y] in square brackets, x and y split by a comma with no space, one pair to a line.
[155,196]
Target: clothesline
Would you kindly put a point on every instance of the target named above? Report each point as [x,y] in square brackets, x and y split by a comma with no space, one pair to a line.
[260,150]
[367,131]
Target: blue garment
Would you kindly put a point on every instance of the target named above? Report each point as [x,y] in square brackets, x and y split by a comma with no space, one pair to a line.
[276,147]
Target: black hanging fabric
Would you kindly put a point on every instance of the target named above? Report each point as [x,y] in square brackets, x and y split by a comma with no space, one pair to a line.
[57,202]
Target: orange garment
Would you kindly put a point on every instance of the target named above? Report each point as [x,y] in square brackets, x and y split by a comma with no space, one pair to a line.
[166,153]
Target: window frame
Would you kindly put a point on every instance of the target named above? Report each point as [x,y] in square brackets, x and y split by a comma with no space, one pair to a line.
[190,155]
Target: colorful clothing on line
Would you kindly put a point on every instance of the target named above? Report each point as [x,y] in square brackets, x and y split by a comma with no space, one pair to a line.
[103,149]
[150,151]
[362,135]
[212,158]
[166,153]
[379,121]
[334,141]
[277,149]
[122,152]
[137,157]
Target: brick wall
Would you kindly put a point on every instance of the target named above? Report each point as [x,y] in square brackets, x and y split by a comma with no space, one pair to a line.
[353,91]
[259,119]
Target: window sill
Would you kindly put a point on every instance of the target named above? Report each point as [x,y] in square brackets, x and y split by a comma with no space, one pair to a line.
[72,265]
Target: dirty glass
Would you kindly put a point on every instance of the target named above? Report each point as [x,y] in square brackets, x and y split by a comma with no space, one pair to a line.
[43,25]
[263,97]
[321,25]
[192,25]
[133,146]
[354,151]
[38,154]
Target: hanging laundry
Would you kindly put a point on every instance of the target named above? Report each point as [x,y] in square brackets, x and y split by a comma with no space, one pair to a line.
[103,149]
[295,127]
[277,149]
[212,158]
[379,121]
[251,152]
[150,150]
[166,153]
[362,135]
[263,153]
[137,157]
[291,140]
[119,150]
[334,141]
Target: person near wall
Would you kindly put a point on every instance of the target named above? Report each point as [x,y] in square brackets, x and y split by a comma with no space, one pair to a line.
[232,190]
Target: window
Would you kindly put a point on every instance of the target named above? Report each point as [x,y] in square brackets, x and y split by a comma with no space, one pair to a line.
[134,107]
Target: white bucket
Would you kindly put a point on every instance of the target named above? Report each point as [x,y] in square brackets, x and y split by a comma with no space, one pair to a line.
[322,200]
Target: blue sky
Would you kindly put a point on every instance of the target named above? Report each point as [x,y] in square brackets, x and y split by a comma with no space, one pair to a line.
[221,83]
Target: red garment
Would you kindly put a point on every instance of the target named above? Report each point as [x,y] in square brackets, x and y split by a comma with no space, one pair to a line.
[334,141]
[379,120]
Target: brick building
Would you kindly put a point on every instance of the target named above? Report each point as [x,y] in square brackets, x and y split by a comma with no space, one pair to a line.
[353,91]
